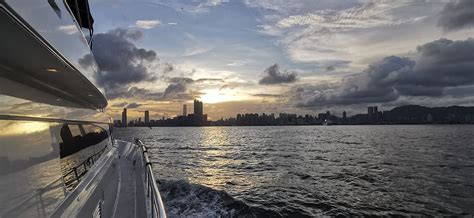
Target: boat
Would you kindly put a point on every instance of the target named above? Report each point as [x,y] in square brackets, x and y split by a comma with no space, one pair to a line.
[327,122]
[58,154]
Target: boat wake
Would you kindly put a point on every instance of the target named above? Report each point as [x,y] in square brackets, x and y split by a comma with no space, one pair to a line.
[183,199]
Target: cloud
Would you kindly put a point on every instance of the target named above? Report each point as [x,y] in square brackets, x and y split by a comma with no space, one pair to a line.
[196,51]
[352,31]
[457,15]
[237,63]
[147,24]
[272,75]
[268,95]
[68,29]
[441,65]
[214,2]
[167,68]
[120,62]
[179,87]
[121,104]
[135,93]
[133,105]
[330,68]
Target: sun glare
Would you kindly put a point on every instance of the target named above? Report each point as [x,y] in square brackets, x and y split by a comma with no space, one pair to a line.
[215,97]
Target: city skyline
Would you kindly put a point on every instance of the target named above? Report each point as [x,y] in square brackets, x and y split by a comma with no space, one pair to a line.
[301,57]
[407,114]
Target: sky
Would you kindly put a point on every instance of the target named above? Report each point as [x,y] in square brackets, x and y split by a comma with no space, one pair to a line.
[262,56]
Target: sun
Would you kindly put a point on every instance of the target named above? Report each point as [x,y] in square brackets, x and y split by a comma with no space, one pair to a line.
[215,97]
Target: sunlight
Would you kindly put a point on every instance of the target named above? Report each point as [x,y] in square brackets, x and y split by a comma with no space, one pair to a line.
[214,96]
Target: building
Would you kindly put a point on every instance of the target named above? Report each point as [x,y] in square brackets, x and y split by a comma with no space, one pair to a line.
[124,117]
[198,108]
[373,115]
[344,115]
[372,111]
[185,110]
[147,117]
[198,118]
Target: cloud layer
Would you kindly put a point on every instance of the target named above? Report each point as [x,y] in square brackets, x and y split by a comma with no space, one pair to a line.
[440,65]
[272,75]
[147,24]
[457,15]
[120,62]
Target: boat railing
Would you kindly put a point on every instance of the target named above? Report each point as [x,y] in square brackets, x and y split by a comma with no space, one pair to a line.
[156,206]
[80,169]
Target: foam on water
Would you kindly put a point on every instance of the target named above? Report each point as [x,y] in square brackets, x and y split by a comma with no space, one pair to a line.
[186,199]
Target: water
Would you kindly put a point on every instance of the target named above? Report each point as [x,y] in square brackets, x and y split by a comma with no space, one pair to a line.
[313,170]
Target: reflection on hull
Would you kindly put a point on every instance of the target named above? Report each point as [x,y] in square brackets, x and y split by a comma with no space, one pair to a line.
[31,192]
[57,155]
[34,177]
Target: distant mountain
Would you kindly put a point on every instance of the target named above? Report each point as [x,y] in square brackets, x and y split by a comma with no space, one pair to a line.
[420,114]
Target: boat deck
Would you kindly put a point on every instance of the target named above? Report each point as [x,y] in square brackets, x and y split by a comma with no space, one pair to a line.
[114,188]
[130,201]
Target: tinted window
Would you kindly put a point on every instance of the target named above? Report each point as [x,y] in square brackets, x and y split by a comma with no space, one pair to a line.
[81,146]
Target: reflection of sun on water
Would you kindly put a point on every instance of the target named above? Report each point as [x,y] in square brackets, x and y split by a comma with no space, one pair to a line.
[214,159]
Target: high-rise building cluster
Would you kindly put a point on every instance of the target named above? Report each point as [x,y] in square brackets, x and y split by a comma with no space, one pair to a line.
[410,114]
[198,118]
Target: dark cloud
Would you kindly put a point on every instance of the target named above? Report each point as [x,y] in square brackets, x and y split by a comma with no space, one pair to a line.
[177,90]
[457,15]
[272,75]
[268,95]
[121,104]
[134,92]
[120,62]
[180,80]
[167,68]
[440,65]
[210,80]
[179,87]
[330,68]
[133,105]
[173,90]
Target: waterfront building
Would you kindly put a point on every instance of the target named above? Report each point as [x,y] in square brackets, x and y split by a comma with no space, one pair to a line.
[124,117]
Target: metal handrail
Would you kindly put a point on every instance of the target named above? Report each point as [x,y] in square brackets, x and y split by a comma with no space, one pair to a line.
[157,206]
[88,162]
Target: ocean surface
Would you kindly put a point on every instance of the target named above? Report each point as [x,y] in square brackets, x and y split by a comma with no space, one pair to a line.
[312,170]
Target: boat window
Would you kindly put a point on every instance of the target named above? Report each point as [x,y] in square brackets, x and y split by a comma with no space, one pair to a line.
[80,148]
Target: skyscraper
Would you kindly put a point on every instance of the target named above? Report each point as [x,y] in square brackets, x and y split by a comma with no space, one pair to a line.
[124,117]
[198,111]
[147,117]
[372,113]
[185,110]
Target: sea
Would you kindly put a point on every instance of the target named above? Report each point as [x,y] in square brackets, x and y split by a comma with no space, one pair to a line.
[307,171]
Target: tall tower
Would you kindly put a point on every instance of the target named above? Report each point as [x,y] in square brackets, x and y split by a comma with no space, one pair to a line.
[198,111]
[370,111]
[147,117]
[124,117]
[344,115]
[185,110]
